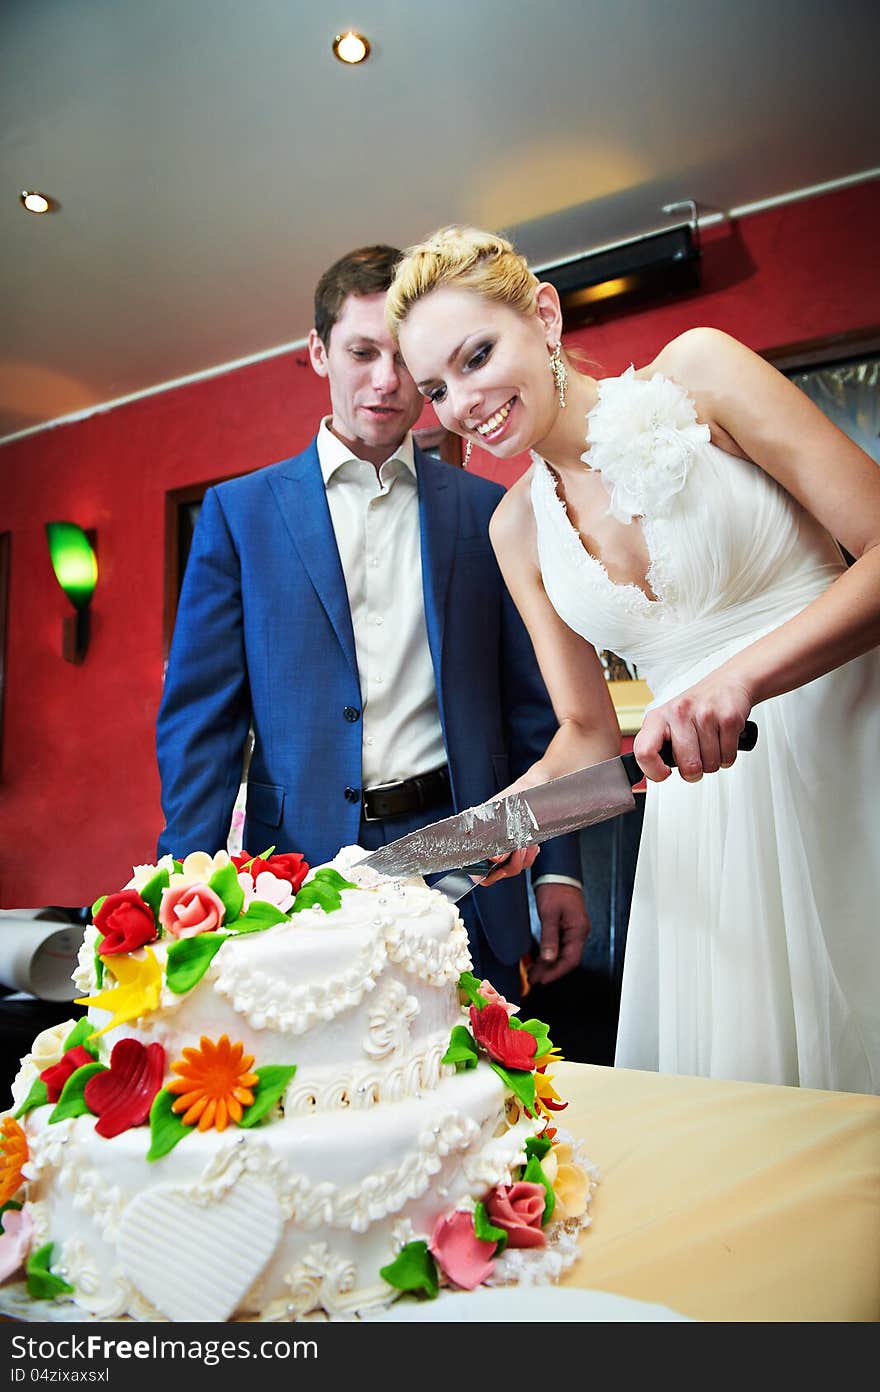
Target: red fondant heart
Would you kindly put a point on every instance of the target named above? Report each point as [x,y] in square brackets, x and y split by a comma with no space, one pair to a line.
[123,1094]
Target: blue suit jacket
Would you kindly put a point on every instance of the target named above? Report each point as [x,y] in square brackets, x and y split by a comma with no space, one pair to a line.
[264,635]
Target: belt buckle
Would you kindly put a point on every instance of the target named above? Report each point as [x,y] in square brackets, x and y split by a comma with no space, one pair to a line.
[379,788]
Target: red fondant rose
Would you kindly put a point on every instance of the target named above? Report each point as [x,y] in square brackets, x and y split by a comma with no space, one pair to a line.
[56,1076]
[510,1047]
[186,910]
[519,1210]
[123,1094]
[289,866]
[126,923]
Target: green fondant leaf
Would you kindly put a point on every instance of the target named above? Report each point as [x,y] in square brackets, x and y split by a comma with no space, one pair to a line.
[81,1035]
[178,867]
[42,1283]
[260,915]
[224,883]
[521,1084]
[327,875]
[72,1103]
[264,855]
[462,1049]
[189,959]
[413,1269]
[534,1174]
[96,906]
[166,1128]
[99,961]
[540,1031]
[468,983]
[273,1080]
[317,893]
[152,891]
[37,1097]
[537,1146]
[486,1231]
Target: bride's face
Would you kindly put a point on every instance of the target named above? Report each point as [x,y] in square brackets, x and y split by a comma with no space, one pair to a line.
[484,366]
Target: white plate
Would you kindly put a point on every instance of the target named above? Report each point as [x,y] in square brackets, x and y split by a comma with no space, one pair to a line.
[554,1304]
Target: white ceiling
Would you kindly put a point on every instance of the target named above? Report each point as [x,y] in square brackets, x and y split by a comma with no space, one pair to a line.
[211,157]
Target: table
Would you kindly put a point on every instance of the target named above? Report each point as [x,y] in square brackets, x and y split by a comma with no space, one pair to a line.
[725,1200]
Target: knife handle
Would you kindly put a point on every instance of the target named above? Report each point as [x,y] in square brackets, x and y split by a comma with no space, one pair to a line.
[747,740]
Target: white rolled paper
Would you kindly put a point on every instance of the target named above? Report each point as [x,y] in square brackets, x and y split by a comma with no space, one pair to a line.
[38,954]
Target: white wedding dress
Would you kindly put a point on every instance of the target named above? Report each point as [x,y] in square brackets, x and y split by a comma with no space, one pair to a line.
[753,948]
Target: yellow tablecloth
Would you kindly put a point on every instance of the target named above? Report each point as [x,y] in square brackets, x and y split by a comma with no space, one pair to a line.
[728,1201]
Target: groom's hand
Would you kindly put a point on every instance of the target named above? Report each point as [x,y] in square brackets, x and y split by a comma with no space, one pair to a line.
[564,928]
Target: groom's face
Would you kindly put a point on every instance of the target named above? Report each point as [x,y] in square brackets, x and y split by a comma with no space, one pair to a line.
[374,399]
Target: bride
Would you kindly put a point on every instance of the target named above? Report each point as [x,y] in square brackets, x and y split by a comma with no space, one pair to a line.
[686,515]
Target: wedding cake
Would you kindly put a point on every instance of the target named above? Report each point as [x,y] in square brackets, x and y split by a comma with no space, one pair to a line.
[288,1098]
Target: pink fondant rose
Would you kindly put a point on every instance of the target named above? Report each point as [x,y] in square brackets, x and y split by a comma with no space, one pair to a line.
[519,1210]
[464,1257]
[15,1241]
[493,997]
[510,1047]
[186,910]
[126,923]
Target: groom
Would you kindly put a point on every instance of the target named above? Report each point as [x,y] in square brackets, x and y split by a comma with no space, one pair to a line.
[347,606]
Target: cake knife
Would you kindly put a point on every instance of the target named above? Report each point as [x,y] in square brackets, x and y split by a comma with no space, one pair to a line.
[465,842]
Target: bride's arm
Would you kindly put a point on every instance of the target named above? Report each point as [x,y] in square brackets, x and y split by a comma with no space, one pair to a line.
[755,411]
[588,729]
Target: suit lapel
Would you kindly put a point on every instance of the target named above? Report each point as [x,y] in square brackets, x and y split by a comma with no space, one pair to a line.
[438,521]
[301,496]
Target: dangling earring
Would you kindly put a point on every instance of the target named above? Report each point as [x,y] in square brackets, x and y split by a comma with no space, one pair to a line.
[560,373]
[468,446]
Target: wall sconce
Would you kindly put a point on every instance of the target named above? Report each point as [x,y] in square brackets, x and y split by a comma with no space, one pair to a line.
[76,570]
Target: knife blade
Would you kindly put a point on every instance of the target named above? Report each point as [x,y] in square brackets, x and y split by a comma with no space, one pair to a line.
[468,840]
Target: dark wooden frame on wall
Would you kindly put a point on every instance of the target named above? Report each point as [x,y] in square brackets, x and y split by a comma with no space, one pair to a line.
[434,439]
[818,352]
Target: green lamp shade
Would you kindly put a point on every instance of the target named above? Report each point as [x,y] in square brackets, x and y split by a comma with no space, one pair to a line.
[73,560]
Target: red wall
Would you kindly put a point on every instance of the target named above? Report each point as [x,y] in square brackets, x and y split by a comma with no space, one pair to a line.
[79,791]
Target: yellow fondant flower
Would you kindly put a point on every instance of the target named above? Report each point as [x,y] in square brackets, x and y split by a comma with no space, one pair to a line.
[570,1185]
[13,1157]
[139,985]
[215,1084]
[547,1099]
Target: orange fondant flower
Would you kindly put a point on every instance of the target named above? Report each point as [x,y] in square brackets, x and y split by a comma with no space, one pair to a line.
[215,1084]
[13,1158]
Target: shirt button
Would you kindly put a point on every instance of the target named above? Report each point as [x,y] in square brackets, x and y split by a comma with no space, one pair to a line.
[369,740]
[352,794]
[352,713]
[378,620]
[378,680]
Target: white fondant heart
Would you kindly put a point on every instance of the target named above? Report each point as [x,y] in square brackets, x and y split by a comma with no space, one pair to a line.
[196,1261]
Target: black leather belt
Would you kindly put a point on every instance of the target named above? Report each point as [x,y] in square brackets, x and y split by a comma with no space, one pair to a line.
[418,794]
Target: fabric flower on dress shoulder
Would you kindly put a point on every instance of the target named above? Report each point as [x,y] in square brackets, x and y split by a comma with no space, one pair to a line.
[643,436]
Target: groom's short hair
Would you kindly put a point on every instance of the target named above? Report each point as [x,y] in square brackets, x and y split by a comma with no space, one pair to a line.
[367,271]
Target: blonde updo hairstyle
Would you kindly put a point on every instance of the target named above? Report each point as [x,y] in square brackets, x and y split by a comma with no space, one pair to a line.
[470,260]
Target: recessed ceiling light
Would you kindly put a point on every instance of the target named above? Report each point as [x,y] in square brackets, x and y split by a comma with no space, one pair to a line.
[35,202]
[351,47]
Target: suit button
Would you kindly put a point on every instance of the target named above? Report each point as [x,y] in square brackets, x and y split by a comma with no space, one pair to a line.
[353,794]
[352,713]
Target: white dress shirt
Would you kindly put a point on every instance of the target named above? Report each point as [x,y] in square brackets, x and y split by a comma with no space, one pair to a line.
[376,522]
